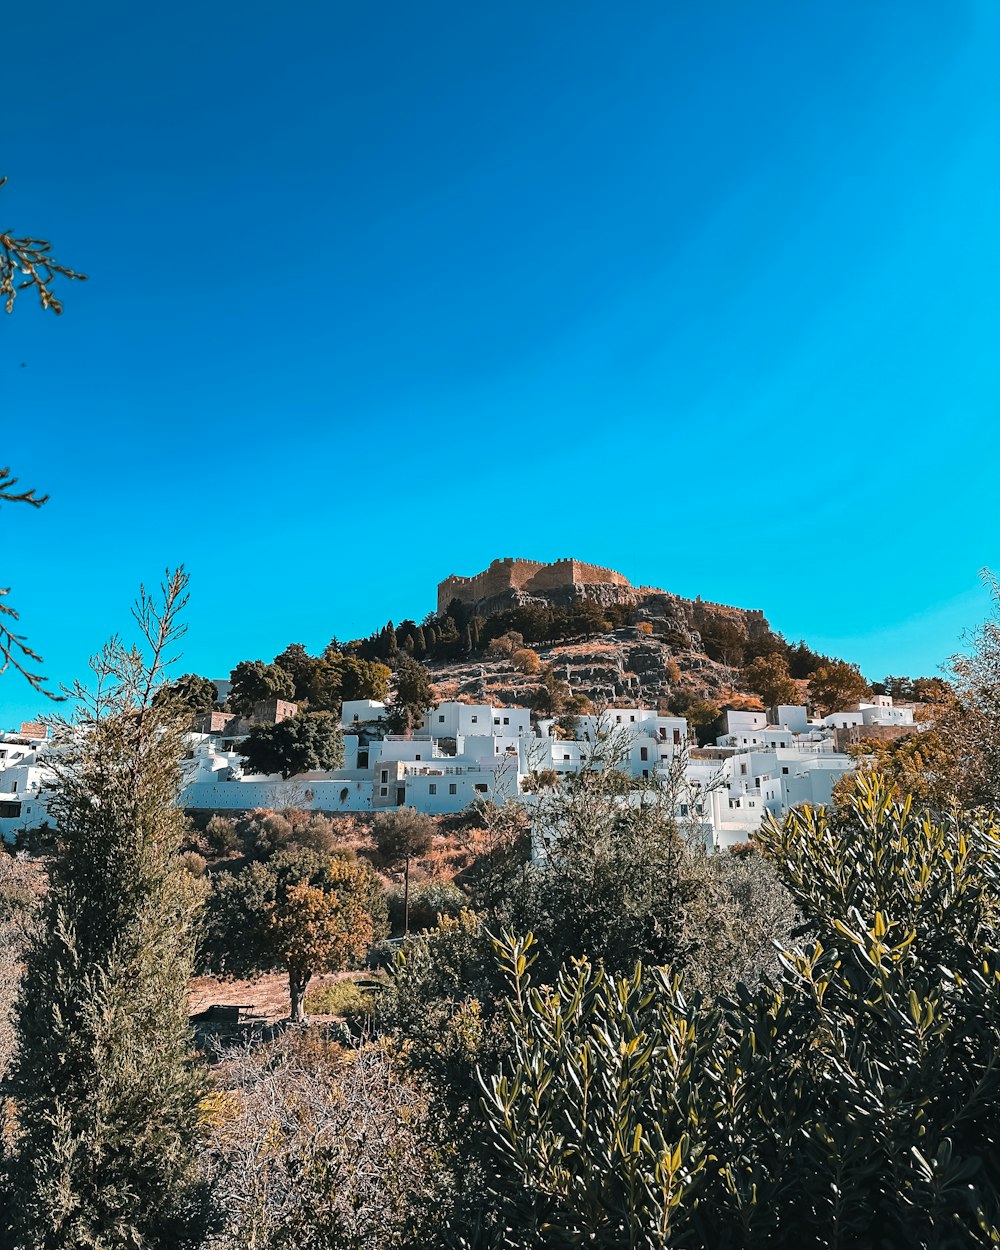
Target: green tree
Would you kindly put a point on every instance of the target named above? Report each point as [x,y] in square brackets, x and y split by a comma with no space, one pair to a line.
[722,638]
[364,679]
[253,681]
[414,694]
[299,744]
[767,676]
[300,911]
[400,835]
[835,685]
[191,692]
[105,1097]
[300,666]
[550,696]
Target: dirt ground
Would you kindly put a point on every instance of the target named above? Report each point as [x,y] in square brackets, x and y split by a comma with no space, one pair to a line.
[267,996]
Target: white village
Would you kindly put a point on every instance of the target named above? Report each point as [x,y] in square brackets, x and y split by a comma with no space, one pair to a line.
[463,754]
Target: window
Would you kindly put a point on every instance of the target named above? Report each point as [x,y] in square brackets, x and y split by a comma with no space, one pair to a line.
[385,774]
[743,770]
[13,788]
[481,787]
[432,788]
[643,753]
[632,719]
[684,809]
[496,720]
[417,755]
[645,773]
[785,771]
[506,720]
[356,716]
[475,720]
[440,720]
[677,737]
[384,792]
[452,788]
[10,809]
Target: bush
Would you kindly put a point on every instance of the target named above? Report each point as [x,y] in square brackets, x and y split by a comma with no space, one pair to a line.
[852,1099]
[526,661]
[193,863]
[340,998]
[428,900]
[221,838]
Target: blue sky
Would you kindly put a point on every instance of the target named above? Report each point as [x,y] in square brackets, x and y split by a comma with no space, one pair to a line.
[707,292]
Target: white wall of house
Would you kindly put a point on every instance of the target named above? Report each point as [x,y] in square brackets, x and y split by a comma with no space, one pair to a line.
[740,723]
[341,794]
[361,712]
[453,720]
[792,716]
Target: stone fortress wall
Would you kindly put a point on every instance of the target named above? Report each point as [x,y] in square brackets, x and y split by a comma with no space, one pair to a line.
[510,574]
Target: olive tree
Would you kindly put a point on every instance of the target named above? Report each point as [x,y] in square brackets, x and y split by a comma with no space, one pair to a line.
[300,911]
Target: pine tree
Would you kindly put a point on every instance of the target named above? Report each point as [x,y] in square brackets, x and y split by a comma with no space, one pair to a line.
[419,643]
[105,1097]
[387,643]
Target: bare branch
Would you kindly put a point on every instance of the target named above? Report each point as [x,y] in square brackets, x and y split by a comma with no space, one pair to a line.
[26,262]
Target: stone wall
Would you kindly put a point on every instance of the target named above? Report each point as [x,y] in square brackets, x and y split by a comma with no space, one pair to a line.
[853,734]
[509,574]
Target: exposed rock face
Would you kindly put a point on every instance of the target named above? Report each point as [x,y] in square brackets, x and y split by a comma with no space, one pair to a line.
[662,649]
[624,664]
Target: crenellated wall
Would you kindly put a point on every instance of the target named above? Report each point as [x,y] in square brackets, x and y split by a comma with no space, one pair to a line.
[526,575]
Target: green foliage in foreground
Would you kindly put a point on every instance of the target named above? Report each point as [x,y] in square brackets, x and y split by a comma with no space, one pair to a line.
[853,1099]
[105,1134]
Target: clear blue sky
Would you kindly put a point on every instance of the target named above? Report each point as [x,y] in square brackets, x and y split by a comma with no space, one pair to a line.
[708,292]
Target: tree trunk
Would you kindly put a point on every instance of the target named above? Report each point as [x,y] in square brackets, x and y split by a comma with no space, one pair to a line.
[297,996]
[406,897]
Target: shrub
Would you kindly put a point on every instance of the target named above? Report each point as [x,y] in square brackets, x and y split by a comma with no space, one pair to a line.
[526,661]
[221,837]
[428,900]
[852,1099]
[192,862]
[340,998]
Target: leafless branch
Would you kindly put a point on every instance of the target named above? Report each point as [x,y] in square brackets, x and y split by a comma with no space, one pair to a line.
[26,262]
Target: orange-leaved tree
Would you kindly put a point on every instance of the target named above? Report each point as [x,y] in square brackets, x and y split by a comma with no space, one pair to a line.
[300,911]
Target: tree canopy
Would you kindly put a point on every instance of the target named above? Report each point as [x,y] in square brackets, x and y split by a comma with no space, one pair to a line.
[835,685]
[299,744]
[253,682]
[300,911]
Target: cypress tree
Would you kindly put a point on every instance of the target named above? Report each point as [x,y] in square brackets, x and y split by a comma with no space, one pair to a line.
[419,643]
[105,1097]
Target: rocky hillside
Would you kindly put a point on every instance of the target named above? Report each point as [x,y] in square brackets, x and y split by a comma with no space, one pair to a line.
[625,664]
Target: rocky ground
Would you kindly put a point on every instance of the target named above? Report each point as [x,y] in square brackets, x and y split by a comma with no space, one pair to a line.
[624,665]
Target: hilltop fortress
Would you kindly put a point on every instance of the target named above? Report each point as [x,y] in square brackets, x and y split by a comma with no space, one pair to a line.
[511,579]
